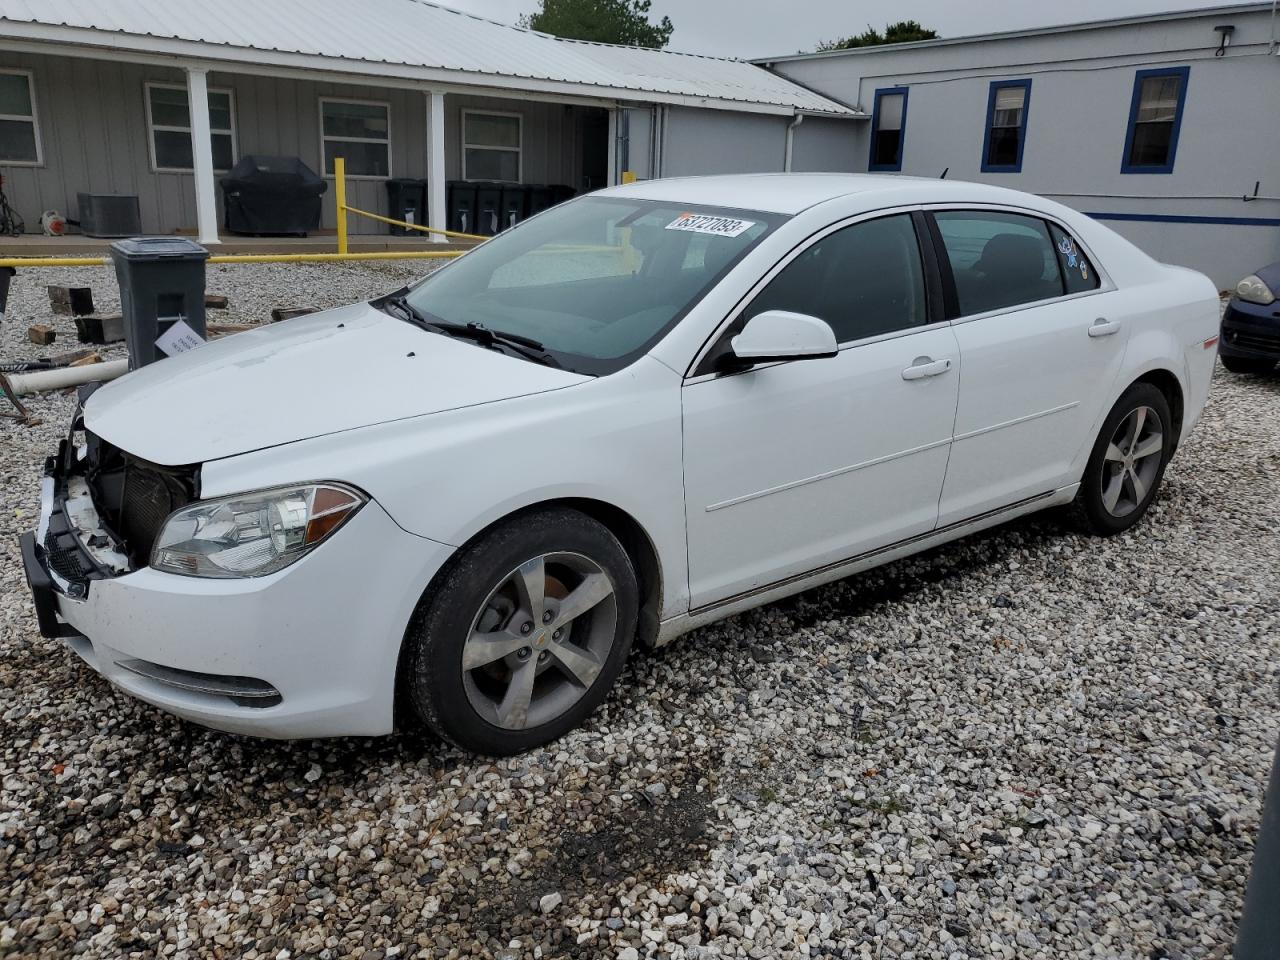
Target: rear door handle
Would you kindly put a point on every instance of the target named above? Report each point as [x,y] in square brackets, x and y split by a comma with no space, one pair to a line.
[922,367]
[1102,327]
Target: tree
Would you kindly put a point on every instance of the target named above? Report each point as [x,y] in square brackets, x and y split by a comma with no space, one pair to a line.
[904,31]
[601,21]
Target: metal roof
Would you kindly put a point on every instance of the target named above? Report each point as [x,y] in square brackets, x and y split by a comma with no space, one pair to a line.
[1190,14]
[403,39]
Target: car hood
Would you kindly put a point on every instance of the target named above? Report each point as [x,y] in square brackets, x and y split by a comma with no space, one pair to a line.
[318,374]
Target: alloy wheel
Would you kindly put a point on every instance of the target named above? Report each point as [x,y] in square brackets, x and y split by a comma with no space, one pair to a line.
[1132,461]
[539,640]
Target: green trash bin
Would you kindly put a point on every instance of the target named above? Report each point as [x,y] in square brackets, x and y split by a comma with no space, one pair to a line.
[162,281]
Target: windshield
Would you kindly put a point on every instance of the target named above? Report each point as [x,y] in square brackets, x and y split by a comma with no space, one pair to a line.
[596,281]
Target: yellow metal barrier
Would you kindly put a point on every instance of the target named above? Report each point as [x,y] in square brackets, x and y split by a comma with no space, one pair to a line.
[17,262]
[344,248]
[340,198]
[414,226]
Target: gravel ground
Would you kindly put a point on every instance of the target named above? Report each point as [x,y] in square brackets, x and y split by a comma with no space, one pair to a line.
[1029,744]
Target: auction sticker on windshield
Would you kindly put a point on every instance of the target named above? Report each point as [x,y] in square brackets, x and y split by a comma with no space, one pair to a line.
[717,226]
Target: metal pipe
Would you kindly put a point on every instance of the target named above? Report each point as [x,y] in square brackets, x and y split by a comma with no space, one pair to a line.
[25,383]
[791,133]
[340,199]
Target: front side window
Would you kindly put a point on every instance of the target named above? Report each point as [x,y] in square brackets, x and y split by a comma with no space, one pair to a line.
[597,281]
[863,280]
[888,128]
[490,146]
[998,260]
[1006,134]
[19,130]
[1155,117]
[360,132]
[169,119]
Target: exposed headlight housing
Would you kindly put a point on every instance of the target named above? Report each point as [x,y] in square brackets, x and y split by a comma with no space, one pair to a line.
[1252,289]
[252,534]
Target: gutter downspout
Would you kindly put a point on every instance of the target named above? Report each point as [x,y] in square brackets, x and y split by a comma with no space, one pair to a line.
[1272,48]
[791,135]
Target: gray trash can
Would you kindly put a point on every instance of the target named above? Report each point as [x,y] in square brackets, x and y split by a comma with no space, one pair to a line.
[161,282]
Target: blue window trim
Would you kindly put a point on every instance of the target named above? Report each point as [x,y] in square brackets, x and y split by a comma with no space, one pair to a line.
[896,166]
[996,86]
[1182,72]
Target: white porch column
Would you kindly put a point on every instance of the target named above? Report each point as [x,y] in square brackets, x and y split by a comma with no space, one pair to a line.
[202,154]
[437,212]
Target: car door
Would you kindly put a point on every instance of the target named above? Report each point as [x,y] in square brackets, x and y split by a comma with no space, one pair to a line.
[793,466]
[1041,355]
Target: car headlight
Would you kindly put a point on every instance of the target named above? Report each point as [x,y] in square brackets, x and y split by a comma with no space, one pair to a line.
[1253,290]
[252,534]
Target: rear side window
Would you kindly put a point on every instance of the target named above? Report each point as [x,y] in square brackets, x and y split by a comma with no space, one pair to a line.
[999,260]
[863,280]
[1077,272]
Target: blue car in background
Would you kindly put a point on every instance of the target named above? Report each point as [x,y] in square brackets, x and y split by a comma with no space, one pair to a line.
[1250,340]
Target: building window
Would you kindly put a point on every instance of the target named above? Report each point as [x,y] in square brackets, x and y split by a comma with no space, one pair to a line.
[1155,117]
[169,120]
[491,146]
[888,127]
[19,128]
[360,132]
[1007,107]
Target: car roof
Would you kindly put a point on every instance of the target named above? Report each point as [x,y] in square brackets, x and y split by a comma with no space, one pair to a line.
[789,193]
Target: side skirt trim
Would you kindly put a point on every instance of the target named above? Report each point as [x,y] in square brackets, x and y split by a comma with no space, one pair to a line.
[709,613]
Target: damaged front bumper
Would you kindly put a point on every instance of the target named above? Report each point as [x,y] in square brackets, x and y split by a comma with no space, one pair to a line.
[309,651]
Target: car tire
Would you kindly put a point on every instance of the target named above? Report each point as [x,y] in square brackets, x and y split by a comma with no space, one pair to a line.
[495,668]
[1127,462]
[1247,364]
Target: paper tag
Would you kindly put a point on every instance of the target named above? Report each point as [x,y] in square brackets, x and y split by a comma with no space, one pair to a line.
[179,338]
[716,226]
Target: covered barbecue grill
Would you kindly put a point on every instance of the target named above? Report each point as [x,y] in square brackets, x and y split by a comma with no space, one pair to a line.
[272,195]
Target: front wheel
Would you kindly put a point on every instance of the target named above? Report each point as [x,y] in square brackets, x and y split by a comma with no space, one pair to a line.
[1127,462]
[524,635]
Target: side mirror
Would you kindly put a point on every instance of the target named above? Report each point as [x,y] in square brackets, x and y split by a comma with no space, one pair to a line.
[780,335]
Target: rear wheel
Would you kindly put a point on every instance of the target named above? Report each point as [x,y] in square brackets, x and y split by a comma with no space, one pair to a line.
[524,635]
[1247,365]
[1128,461]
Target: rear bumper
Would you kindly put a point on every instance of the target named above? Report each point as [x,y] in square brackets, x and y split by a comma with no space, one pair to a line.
[1250,331]
[310,651]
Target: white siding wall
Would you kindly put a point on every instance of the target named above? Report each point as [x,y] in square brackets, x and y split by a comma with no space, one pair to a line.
[1082,83]
[93,128]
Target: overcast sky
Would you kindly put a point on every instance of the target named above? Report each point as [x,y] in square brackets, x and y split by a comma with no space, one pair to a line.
[759,28]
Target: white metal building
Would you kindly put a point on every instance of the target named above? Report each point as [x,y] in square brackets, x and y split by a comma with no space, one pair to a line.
[1163,126]
[155,98]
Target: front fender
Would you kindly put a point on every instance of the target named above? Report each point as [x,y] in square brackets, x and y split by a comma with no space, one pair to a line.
[447,476]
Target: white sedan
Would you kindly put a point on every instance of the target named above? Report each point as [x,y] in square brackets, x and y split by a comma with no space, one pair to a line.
[642,411]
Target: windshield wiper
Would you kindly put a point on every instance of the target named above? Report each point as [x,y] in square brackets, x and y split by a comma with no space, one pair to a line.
[526,347]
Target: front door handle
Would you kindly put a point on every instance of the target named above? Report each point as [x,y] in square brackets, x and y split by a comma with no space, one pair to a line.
[922,367]
[1102,327]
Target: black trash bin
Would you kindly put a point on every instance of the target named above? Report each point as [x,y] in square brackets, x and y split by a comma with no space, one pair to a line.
[462,206]
[161,282]
[407,201]
[560,193]
[515,200]
[266,196]
[539,198]
[488,208]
